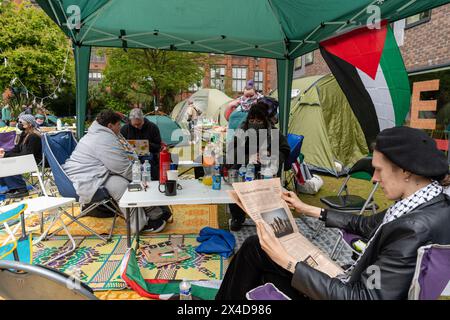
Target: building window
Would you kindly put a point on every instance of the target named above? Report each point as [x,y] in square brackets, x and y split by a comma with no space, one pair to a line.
[95,76]
[218,77]
[417,19]
[298,63]
[259,80]
[239,78]
[309,58]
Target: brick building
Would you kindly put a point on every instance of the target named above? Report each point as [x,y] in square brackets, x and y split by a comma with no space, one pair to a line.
[230,74]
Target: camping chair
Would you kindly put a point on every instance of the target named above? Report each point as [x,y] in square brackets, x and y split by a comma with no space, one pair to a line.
[295,143]
[432,273]
[354,203]
[345,239]
[38,205]
[57,149]
[21,281]
[362,169]
[11,248]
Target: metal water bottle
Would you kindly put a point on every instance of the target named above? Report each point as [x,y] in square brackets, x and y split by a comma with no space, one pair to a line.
[164,164]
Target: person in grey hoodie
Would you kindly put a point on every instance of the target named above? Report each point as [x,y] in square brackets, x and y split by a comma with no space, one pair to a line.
[104,158]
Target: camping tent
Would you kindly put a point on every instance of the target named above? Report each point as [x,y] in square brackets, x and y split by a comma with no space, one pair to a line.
[321,113]
[209,101]
[167,127]
[281,30]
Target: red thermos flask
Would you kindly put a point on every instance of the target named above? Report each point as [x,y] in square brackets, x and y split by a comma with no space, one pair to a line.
[164,164]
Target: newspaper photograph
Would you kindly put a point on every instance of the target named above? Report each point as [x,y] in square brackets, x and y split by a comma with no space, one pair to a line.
[261,200]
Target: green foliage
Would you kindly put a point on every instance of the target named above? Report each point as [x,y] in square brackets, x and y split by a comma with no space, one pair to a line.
[141,75]
[35,49]
[100,98]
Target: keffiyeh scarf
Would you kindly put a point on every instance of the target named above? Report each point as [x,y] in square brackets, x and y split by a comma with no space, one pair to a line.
[399,209]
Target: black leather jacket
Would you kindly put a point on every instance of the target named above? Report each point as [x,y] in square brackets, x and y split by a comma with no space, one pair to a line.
[393,250]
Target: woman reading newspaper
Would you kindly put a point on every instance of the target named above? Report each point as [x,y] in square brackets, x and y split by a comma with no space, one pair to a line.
[407,166]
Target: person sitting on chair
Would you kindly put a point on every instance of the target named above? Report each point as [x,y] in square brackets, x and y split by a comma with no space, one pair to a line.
[104,158]
[29,143]
[259,119]
[140,128]
[408,167]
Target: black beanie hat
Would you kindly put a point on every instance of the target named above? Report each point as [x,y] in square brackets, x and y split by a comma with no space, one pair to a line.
[412,150]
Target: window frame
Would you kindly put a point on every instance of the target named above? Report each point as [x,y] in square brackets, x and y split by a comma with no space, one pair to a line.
[419,22]
[259,83]
[312,58]
[213,80]
[242,80]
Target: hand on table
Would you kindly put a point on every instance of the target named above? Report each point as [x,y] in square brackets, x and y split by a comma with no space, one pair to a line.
[273,247]
[2,152]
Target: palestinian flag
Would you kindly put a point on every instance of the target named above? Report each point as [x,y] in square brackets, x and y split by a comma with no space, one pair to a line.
[162,289]
[369,68]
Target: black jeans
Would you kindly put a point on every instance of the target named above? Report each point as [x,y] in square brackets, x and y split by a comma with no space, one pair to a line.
[252,267]
[237,213]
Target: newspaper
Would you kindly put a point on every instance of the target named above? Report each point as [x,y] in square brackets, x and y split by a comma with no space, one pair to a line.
[262,201]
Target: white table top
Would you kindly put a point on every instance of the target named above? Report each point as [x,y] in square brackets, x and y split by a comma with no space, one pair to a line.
[193,192]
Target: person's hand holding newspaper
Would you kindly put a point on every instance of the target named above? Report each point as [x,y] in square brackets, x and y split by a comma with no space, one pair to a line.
[274,249]
[299,206]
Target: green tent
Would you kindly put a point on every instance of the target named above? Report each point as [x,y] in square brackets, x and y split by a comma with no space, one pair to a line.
[167,127]
[321,113]
[277,29]
[209,101]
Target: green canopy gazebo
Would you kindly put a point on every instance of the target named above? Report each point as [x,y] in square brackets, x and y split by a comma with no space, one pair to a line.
[278,29]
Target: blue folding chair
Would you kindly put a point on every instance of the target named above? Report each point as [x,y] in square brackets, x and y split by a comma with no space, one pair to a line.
[16,249]
[295,143]
[57,148]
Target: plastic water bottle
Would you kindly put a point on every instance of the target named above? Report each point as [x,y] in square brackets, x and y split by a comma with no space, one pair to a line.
[58,124]
[266,170]
[136,170]
[217,179]
[242,171]
[146,173]
[185,290]
[250,175]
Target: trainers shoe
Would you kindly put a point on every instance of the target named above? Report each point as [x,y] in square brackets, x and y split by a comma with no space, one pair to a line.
[167,214]
[154,226]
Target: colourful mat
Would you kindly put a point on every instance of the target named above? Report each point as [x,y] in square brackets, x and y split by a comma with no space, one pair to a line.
[97,264]
[187,219]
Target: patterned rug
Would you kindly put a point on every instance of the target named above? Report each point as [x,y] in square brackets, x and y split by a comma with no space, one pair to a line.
[325,239]
[98,264]
[187,219]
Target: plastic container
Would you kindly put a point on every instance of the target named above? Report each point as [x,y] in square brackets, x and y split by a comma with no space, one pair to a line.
[241,173]
[136,170]
[146,173]
[250,174]
[185,290]
[216,178]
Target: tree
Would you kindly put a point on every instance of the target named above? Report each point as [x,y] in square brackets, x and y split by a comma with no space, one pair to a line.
[35,50]
[140,74]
